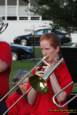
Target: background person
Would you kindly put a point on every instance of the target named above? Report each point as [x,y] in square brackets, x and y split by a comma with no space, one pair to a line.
[5,69]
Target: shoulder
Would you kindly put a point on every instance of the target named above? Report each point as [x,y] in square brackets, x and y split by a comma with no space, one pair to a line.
[62,71]
[62,67]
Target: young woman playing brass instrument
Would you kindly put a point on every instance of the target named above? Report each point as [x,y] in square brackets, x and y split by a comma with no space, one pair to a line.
[42,102]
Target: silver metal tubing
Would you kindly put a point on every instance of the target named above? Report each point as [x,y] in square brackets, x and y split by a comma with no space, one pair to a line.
[52,68]
[28,74]
[16,102]
[67,102]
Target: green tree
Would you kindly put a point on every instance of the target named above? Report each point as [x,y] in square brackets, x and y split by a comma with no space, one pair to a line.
[26,1]
[62,12]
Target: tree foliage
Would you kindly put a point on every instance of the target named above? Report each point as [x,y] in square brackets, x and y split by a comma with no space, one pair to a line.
[62,12]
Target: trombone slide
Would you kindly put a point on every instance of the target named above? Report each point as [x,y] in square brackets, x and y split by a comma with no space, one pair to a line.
[67,102]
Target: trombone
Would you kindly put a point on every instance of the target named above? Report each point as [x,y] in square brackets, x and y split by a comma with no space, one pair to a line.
[47,73]
[41,81]
[29,74]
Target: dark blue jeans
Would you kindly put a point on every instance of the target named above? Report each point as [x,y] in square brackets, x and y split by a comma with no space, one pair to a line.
[3,107]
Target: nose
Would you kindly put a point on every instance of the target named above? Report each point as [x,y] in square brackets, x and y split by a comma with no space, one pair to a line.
[44,53]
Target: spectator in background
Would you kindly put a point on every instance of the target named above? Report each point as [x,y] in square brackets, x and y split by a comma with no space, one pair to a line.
[5,69]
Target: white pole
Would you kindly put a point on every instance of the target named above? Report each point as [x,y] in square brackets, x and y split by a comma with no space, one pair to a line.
[6,10]
[40,17]
[17,9]
[29,7]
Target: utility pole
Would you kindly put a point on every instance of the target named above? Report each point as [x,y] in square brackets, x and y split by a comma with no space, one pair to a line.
[17,9]
[6,7]
[33,39]
[29,7]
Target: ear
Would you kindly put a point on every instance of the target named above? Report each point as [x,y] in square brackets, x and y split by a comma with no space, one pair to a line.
[57,49]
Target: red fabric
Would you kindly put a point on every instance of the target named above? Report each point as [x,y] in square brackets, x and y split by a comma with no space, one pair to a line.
[21,108]
[33,71]
[28,86]
[44,104]
[6,56]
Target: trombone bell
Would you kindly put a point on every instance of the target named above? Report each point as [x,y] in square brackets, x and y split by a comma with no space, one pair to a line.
[38,84]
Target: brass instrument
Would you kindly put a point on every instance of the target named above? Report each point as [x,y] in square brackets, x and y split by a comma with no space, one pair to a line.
[38,83]
[41,81]
[38,79]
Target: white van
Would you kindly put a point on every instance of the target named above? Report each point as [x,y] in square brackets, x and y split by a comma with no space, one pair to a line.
[11,29]
[19,20]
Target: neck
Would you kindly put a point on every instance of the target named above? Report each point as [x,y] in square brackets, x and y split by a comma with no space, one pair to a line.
[52,62]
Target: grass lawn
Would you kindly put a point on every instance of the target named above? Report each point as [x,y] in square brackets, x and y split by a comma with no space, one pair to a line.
[27,64]
[24,64]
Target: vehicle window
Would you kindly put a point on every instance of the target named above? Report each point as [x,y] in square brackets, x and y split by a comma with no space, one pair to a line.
[47,30]
[39,32]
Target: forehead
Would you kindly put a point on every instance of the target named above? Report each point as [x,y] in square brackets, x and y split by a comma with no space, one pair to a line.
[45,42]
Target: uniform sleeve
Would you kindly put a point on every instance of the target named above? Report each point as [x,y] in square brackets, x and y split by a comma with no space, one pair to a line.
[5,53]
[65,78]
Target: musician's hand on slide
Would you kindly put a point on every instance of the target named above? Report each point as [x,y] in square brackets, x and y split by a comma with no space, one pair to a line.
[40,70]
[39,73]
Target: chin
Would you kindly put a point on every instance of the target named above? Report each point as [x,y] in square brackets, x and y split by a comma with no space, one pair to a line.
[50,59]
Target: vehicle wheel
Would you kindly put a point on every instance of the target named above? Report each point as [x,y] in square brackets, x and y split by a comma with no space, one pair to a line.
[23,42]
[14,56]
